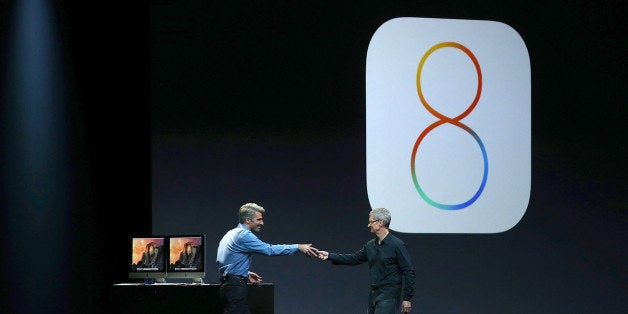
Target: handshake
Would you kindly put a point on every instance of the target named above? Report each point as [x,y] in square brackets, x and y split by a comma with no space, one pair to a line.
[309,250]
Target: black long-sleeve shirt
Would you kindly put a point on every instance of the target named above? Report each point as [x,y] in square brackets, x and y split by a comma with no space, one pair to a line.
[389,262]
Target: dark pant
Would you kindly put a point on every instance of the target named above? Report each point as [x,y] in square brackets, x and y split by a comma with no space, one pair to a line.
[233,294]
[384,307]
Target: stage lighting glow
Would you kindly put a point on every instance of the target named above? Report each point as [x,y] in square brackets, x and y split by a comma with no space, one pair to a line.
[36,151]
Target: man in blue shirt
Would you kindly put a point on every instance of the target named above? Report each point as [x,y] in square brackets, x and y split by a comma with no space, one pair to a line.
[234,257]
[390,266]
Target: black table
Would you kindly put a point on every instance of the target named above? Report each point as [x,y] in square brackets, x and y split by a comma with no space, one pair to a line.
[183,298]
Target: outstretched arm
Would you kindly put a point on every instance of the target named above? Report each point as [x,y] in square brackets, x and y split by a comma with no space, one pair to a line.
[356,258]
[251,243]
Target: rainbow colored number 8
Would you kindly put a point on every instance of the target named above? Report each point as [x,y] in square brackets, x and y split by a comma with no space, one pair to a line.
[442,119]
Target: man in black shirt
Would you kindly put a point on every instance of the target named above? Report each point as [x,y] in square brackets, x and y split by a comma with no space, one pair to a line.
[389,263]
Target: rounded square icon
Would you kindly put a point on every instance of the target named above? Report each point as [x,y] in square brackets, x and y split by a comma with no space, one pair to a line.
[448,125]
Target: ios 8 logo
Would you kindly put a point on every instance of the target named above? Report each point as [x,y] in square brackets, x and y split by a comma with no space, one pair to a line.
[453,70]
[454,121]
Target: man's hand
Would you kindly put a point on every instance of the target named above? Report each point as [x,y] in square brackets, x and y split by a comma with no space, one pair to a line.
[308,249]
[323,255]
[406,306]
[254,278]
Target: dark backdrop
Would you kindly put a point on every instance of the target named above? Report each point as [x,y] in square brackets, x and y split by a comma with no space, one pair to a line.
[265,102]
[180,111]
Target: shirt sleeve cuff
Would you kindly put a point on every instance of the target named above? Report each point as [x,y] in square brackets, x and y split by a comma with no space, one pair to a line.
[294,248]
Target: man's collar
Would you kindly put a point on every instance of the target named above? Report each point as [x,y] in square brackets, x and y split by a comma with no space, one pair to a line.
[383,240]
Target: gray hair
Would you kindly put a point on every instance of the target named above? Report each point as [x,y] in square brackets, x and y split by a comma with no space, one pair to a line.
[247,211]
[381,214]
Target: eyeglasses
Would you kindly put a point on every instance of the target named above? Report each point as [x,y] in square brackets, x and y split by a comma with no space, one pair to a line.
[372,221]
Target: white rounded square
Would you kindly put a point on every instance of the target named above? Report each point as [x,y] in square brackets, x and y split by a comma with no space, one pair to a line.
[448,125]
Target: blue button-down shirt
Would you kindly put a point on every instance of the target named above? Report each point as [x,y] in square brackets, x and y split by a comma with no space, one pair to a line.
[237,246]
